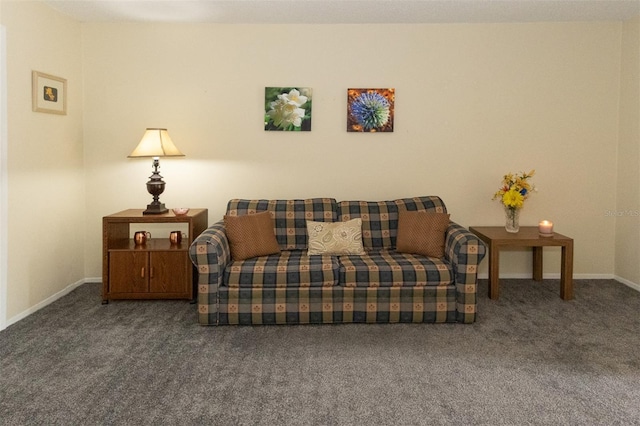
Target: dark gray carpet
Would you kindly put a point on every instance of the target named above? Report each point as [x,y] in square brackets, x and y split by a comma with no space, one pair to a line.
[529,359]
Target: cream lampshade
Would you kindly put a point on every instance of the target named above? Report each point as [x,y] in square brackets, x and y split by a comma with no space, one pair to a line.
[156,143]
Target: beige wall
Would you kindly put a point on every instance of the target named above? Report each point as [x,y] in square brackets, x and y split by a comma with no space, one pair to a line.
[627,254]
[45,166]
[472,103]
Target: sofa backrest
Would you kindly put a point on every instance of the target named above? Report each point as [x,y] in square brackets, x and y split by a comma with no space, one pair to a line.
[290,216]
[380,218]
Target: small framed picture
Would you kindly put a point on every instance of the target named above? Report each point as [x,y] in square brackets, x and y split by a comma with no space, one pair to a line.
[288,108]
[370,110]
[49,93]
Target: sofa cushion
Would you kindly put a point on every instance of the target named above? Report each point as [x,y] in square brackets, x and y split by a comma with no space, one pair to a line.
[290,216]
[380,218]
[385,268]
[335,238]
[251,235]
[422,232]
[322,305]
[290,268]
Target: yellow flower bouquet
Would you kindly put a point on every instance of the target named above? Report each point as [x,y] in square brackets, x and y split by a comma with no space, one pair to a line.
[514,190]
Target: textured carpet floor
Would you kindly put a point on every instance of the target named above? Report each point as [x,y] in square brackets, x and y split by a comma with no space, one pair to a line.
[531,358]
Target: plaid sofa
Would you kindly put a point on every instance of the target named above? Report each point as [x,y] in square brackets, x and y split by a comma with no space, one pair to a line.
[380,286]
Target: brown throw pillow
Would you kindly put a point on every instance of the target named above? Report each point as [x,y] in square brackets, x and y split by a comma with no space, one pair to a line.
[251,235]
[421,232]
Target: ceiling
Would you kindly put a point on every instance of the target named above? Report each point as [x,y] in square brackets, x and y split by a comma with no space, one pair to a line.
[346,11]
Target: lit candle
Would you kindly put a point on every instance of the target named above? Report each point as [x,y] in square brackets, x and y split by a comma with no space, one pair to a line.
[545,228]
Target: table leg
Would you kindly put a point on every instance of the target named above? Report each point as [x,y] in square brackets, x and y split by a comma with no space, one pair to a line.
[566,272]
[494,272]
[537,263]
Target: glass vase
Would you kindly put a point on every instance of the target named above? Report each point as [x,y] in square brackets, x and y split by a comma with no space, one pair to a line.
[512,219]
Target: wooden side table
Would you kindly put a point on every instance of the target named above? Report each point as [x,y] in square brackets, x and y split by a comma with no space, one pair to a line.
[497,238]
[158,269]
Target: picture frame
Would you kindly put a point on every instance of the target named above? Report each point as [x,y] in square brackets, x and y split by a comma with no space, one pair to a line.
[288,108]
[370,110]
[49,93]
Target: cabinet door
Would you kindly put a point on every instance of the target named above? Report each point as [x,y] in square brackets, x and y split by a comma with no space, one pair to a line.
[169,272]
[128,272]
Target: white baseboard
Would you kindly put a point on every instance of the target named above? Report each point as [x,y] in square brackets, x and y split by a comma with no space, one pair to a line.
[554,276]
[50,300]
[626,282]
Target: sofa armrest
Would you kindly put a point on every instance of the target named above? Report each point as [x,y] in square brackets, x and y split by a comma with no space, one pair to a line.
[465,251]
[210,254]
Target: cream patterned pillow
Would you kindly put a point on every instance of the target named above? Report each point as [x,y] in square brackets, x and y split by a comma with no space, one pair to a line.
[335,238]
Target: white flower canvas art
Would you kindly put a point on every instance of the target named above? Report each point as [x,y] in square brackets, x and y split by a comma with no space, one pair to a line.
[288,109]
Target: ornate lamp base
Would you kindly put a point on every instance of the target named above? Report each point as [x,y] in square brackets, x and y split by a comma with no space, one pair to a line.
[155,208]
[155,187]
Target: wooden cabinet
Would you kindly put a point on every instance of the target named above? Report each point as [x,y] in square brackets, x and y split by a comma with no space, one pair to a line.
[157,269]
[148,272]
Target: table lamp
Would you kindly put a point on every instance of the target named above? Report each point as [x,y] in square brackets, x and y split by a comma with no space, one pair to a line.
[156,143]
